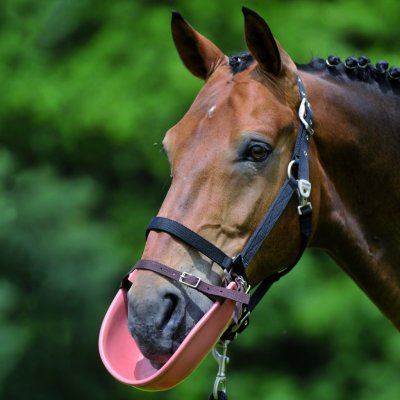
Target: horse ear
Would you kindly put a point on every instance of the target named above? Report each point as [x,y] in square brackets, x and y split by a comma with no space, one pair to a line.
[261,43]
[200,56]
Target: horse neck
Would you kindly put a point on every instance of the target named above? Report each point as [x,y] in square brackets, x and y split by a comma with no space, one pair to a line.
[357,166]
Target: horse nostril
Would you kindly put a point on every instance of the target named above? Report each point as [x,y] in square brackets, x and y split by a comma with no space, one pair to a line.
[171,310]
[169,303]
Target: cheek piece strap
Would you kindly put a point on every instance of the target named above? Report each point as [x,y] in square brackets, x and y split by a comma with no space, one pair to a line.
[235,267]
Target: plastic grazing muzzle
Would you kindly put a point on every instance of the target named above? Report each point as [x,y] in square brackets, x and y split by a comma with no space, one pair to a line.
[125,362]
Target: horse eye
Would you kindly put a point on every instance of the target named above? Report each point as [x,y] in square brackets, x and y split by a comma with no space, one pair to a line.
[258,152]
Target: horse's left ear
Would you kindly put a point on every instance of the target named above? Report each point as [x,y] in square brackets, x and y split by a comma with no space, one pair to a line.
[262,45]
[200,56]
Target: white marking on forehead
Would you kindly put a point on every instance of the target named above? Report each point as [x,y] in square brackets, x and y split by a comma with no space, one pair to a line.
[211,111]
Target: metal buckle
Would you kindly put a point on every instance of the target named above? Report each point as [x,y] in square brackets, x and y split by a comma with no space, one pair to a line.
[242,282]
[304,192]
[233,331]
[302,114]
[184,275]
[304,188]
[289,168]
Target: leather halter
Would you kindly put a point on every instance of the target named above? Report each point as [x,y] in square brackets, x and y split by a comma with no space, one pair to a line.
[235,268]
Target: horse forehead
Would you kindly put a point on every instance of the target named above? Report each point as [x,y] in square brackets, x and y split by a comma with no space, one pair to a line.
[228,101]
[226,91]
[213,93]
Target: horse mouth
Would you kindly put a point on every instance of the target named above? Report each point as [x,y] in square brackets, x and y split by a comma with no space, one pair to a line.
[157,361]
[159,344]
[160,322]
[166,348]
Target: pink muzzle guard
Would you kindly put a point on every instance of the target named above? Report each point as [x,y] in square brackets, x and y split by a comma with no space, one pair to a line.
[123,359]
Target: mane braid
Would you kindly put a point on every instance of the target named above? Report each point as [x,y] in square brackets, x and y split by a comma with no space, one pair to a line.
[352,69]
[356,69]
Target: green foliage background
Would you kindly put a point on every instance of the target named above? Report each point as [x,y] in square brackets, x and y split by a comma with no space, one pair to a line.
[88,89]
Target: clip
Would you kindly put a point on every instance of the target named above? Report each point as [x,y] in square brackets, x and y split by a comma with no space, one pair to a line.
[222,360]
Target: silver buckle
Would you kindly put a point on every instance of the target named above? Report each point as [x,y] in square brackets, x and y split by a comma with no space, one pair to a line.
[241,281]
[302,113]
[304,192]
[184,275]
[304,188]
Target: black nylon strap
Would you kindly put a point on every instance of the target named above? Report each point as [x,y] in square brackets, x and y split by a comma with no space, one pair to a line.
[300,157]
[300,153]
[264,286]
[260,291]
[269,221]
[192,238]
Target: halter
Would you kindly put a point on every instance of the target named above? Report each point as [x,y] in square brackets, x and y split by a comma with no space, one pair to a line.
[235,267]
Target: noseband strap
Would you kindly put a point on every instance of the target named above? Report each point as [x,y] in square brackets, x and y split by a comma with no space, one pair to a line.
[235,267]
[192,238]
[219,292]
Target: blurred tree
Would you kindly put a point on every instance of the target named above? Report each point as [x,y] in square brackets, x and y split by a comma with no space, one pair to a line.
[56,268]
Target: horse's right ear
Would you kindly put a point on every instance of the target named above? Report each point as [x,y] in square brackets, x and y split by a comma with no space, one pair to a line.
[200,56]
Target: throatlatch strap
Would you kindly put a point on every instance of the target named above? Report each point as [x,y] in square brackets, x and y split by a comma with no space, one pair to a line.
[193,281]
[191,238]
[264,286]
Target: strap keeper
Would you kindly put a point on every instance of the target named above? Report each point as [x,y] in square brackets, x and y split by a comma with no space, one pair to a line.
[305,208]
[238,267]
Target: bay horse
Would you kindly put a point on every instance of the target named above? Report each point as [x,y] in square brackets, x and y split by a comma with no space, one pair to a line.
[230,155]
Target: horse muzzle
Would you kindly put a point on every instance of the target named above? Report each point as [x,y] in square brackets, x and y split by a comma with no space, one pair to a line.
[125,360]
[158,319]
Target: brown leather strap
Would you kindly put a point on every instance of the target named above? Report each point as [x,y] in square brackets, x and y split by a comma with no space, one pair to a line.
[194,282]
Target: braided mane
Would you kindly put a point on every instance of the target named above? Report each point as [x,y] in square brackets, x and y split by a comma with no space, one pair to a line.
[353,68]
[359,68]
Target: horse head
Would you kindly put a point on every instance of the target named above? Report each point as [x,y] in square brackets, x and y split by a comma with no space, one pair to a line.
[229,156]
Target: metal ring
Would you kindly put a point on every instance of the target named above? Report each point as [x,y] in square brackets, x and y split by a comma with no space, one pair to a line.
[289,168]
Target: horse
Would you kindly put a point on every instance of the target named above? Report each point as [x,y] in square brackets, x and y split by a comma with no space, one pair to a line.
[232,152]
